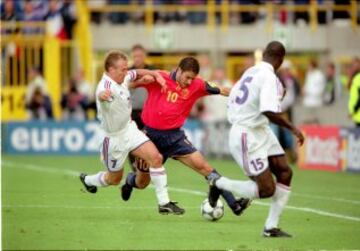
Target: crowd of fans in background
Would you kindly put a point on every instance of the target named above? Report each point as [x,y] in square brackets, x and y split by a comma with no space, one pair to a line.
[60,16]
[192,17]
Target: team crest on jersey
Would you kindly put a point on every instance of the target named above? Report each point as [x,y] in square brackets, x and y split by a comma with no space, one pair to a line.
[185,92]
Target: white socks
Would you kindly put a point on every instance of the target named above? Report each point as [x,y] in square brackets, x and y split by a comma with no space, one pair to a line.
[247,189]
[97,180]
[159,179]
[279,201]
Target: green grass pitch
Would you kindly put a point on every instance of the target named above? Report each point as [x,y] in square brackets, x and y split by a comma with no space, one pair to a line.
[44,207]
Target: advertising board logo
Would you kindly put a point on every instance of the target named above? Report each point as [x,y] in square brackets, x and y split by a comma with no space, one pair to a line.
[55,138]
[322,151]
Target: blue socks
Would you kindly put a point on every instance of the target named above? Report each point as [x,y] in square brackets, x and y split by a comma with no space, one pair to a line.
[131,180]
[228,196]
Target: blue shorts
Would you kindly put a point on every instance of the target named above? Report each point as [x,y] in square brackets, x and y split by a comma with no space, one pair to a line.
[170,143]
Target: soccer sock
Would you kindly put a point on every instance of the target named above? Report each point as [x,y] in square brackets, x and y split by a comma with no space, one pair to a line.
[229,198]
[213,174]
[279,201]
[131,180]
[247,189]
[96,180]
[159,179]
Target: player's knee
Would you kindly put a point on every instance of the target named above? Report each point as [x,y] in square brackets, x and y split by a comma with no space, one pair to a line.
[266,191]
[156,160]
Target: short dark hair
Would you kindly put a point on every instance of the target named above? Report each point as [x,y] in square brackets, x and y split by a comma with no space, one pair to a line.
[314,63]
[112,57]
[274,50]
[190,64]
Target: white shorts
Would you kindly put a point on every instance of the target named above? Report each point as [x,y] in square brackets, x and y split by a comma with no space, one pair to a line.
[116,146]
[251,148]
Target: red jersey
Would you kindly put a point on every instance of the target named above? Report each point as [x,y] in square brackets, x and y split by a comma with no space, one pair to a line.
[169,110]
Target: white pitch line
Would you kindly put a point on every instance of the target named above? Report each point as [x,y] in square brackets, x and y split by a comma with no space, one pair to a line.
[41,169]
[326,198]
[86,207]
[189,191]
[304,209]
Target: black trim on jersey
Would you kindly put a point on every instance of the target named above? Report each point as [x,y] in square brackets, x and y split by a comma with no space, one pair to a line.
[212,89]
[173,75]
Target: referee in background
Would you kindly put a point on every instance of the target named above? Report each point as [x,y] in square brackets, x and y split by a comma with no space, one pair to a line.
[138,95]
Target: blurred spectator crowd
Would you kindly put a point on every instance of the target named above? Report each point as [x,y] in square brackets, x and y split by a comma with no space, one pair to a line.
[60,16]
[76,100]
[198,17]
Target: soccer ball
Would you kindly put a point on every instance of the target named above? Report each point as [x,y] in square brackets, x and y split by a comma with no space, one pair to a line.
[212,214]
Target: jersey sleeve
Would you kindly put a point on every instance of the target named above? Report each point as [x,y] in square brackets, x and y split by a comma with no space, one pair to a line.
[130,76]
[201,88]
[104,85]
[211,88]
[270,94]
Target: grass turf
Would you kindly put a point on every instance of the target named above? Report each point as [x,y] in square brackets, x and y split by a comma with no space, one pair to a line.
[44,207]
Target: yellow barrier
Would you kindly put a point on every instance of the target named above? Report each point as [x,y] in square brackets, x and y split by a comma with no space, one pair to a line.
[52,73]
[18,56]
[13,103]
[21,53]
[84,39]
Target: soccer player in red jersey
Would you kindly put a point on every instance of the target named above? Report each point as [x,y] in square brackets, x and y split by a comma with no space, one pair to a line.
[164,113]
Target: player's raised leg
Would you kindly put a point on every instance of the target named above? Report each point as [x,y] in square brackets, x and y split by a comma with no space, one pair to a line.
[198,163]
[113,161]
[151,155]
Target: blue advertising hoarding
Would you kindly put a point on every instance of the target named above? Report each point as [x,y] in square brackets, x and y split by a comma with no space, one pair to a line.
[51,137]
[65,138]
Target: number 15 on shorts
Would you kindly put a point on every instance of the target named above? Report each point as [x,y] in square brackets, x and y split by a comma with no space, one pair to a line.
[258,164]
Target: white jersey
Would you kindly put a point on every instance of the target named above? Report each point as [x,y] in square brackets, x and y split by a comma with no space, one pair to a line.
[115,114]
[257,91]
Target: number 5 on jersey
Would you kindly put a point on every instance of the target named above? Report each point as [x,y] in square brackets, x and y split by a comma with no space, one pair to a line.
[244,91]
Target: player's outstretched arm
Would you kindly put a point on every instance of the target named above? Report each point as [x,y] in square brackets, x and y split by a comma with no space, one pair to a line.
[213,88]
[155,74]
[147,79]
[277,119]
[225,91]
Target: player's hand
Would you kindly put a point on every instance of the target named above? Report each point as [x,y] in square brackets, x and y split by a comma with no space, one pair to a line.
[105,95]
[147,79]
[161,82]
[300,137]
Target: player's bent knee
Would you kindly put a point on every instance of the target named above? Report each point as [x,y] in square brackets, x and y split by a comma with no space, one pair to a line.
[156,160]
[266,191]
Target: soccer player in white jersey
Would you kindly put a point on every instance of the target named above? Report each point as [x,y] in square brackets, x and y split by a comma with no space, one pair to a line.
[122,135]
[253,101]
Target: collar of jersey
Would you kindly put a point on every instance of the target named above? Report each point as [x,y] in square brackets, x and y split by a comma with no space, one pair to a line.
[173,75]
[266,65]
[105,76]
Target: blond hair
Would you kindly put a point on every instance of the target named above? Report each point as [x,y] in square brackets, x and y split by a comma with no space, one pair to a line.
[112,57]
